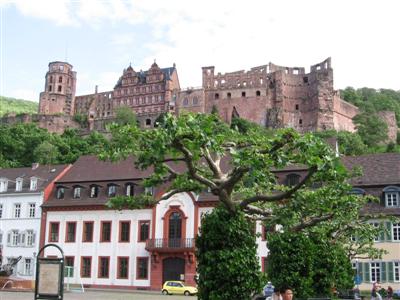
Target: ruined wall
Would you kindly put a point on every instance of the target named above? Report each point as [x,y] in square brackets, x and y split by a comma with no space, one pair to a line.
[343,114]
[390,119]
[190,100]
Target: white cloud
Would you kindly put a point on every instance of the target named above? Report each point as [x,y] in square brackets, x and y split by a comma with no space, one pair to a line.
[25,94]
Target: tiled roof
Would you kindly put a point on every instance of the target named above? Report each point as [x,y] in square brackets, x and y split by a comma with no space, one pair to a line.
[377,169]
[142,76]
[44,174]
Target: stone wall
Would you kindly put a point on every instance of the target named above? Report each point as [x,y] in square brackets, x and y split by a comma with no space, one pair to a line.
[390,119]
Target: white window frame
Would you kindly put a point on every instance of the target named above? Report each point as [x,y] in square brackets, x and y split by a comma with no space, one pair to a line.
[3,185]
[396,271]
[30,238]
[375,271]
[18,184]
[77,192]
[33,186]
[14,238]
[17,210]
[28,270]
[392,199]
[396,232]
[32,210]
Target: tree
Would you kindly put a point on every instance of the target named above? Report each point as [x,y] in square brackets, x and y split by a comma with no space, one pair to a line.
[125,116]
[45,153]
[371,128]
[238,167]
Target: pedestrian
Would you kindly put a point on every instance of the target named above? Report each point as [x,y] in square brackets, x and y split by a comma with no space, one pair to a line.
[276,295]
[375,291]
[286,293]
[389,293]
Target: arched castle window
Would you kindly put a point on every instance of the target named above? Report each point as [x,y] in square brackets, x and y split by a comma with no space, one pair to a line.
[148,122]
[51,79]
[297,107]
[258,93]
[216,96]
[229,95]
[50,88]
[195,101]
[60,79]
[59,88]
[185,102]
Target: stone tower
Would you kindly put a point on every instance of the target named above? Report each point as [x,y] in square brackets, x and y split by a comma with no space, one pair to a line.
[59,90]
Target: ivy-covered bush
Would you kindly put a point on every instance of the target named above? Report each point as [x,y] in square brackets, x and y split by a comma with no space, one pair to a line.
[228,265]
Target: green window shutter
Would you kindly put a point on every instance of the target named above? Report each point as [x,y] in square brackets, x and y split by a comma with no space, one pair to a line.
[388,231]
[390,271]
[360,271]
[366,272]
[383,271]
[382,232]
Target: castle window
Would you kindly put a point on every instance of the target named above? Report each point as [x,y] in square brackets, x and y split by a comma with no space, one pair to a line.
[195,101]
[60,79]
[300,121]
[185,102]
[295,71]
[297,107]
[216,96]
[51,79]
[305,79]
[49,88]
[61,68]
[229,95]
[258,93]
[243,94]
[148,122]
[261,81]
[244,83]
[59,88]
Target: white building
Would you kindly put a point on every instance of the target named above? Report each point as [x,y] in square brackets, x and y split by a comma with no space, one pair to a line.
[22,192]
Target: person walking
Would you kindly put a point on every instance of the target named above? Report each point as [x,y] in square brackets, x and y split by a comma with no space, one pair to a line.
[375,291]
[286,293]
[389,293]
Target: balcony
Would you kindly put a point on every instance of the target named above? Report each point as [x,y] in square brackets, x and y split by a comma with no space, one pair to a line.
[170,245]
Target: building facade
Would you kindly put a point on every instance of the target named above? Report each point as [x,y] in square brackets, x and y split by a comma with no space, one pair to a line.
[22,192]
[270,95]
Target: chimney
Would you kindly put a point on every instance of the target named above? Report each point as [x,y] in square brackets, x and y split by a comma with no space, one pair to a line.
[35,166]
[95,89]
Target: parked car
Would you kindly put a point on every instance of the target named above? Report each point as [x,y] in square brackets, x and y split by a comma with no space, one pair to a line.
[178,287]
[396,294]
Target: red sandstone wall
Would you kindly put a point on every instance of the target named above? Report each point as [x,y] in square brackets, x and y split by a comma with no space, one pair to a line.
[390,119]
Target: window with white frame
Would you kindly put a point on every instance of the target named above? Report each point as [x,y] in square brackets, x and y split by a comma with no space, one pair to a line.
[17,210]
[396,231]
[30,238]
[77,192]
[392,199]
[28,266]
[1,237]
[14,238]
[375,268]
[396,271]
[32,210]
[1,210]
[3,185]
[33,186]
[18,184]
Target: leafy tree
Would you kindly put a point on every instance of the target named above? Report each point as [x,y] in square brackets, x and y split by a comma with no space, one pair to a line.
[45,153]
[125,116]
[227,257]
[238,167]
[371,128]
[81,119]
[18,106]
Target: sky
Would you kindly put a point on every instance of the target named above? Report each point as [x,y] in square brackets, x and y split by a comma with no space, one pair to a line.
[101,38]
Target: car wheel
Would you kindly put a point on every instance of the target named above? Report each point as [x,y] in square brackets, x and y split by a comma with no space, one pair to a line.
[186,293]
[165,292]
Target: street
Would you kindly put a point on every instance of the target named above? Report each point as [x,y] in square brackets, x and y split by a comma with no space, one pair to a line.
[99,295]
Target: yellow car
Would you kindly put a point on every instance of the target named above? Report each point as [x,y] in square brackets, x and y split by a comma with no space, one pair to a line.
[178,287]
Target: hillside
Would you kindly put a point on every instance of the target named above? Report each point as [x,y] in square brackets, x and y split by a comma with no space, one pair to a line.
[8,105]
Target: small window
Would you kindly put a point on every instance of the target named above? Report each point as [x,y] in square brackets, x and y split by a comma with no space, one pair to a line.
[195,101]
[51,79]
[142,267]
[300,121]
[50,88]
[229,95]
[59,88]
[33,186]
[94,191]
[112,190]
[17,210]
[105,234]
[71,232]
[18,184]
[297,107]
[87,235]
[149,190]
[124,231]
[32,210]
[60,192]
[123,267]
[77,192]
[243,94]
[292,179]
[305,79]
[60,79]
[144,227]
[148,122]
[216,96]
[129,189]
[392,199]
[258,93]
[3,185]
[54,231]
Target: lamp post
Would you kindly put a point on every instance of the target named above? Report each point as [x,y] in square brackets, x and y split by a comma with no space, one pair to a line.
[357,276]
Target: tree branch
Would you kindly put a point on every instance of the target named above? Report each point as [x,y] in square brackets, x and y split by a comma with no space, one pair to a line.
[279,196]
[312,222]
[213,165]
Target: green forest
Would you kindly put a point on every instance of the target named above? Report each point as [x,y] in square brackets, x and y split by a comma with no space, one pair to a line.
[18,106]
[22,144]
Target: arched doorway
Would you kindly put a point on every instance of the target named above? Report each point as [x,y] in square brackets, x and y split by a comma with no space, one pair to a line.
[173,268]
[175,230]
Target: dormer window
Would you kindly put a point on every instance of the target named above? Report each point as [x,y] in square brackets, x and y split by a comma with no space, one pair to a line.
[149,190]
[3,185]
[292,179]
[77,192]
[33,186]
[129,189]
[60,192]
[94,191]
[391,196]
[18,184]
[112,190]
